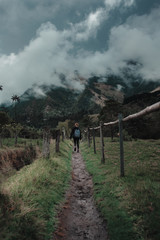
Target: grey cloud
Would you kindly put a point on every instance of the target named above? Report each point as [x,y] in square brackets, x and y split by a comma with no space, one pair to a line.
[88,28]
[116,3]
[20,18]
[138,39]
[50,53]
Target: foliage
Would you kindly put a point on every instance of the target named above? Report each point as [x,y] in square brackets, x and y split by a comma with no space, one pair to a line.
[110,111]
[4,118]
[126,136]
[64,125]
[86,121]
[15,98]
[14,129]
[30,132]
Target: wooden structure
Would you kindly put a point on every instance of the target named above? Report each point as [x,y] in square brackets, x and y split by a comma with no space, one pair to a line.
[46,143]
[120,120]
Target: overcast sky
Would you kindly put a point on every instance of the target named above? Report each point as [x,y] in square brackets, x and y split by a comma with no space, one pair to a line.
[42,39]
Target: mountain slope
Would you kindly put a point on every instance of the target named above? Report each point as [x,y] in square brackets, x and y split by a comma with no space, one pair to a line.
[46,105]
[58,103]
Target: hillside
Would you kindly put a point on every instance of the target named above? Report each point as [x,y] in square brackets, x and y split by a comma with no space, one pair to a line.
[144,127]
[147,126]
[51,104]
[58,103]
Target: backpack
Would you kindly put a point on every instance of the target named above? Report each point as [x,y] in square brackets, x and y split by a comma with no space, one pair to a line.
[77,133]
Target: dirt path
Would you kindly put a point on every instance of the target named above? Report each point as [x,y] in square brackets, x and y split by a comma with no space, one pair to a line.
[79,219]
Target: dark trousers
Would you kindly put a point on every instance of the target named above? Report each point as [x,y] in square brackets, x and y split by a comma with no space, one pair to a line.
[76,143]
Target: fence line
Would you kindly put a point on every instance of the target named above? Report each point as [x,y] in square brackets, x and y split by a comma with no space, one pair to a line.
[147,110]
[143,112]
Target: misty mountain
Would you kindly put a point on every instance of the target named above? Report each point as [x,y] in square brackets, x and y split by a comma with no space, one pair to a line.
[130,81]
[47,105]
[146,126]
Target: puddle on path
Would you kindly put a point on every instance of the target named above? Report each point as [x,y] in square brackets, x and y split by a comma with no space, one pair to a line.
[79,219]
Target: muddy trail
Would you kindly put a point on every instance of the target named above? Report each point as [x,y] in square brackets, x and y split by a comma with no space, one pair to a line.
[79,219]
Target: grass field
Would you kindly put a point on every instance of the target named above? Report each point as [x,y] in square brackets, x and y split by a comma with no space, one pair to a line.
[29,198]
[10,142]
[130,204]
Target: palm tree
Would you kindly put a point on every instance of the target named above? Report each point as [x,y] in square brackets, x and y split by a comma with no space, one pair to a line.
[15,98]
[1,88]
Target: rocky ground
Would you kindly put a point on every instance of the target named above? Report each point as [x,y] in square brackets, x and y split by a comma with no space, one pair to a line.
[80,219]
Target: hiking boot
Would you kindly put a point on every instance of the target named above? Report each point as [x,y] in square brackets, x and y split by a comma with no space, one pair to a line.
[74,148]
[77,150]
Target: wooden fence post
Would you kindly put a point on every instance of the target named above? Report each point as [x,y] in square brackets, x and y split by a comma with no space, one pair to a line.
[1,141]
[89,137]
[85,134]
[121,145]
[94,143]
[102,143]
[46,143]
[57,140]
[63,134]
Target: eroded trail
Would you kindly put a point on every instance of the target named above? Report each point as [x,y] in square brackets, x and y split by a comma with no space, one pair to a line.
[79,218]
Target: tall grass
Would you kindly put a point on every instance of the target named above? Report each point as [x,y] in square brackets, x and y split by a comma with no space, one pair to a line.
[130,204]
[30,198]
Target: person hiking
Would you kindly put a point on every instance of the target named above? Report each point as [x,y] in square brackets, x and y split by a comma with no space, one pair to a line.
[76,135]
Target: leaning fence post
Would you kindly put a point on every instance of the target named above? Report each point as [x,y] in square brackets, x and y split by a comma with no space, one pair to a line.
[46,143]
[89,137]
[102,143]
[63,134]
[121,145]
[57,140]
[94,143]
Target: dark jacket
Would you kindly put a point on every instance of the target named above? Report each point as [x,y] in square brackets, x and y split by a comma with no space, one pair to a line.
[72,133]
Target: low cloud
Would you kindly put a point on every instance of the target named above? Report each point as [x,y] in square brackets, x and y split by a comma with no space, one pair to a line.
[139,40]
[53,53]
[88,28]
[116,3]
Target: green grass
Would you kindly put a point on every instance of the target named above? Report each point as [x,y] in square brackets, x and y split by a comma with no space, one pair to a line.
[30,198]
[130,204]
[10,142]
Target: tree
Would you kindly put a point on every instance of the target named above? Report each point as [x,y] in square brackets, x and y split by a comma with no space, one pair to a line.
[110,113]
[64,128]
[15,98]
[86,121]
[14,130]
[4,119]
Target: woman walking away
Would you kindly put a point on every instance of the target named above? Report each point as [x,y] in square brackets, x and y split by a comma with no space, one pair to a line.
[76,135]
